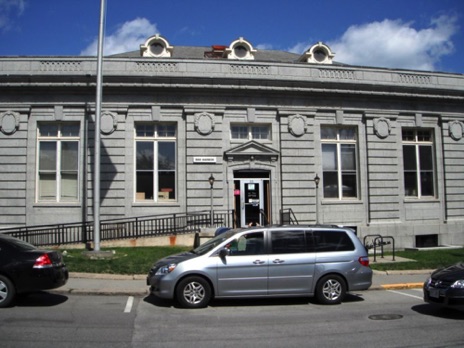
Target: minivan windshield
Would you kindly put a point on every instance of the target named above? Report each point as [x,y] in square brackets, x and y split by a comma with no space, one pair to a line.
[214,242]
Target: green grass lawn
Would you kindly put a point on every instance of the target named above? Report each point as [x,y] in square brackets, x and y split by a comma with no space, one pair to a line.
[429,259]
[130,260]
[139,260]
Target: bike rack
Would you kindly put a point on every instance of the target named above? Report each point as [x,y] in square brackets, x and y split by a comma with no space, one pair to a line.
[378,241]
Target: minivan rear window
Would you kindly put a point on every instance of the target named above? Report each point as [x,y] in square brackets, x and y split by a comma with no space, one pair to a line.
[332,241]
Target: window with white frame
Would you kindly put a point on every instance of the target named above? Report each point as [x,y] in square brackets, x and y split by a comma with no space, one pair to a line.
[155,167]
[339,162]
[58,162]
[418,163]
[250,132]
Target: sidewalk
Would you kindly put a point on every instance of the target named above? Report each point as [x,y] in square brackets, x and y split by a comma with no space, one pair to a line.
[135,285]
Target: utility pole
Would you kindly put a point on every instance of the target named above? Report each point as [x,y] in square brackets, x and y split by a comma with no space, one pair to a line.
[96,181]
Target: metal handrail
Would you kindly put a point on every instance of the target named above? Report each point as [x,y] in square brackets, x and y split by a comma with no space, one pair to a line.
[121,228]
[287,217]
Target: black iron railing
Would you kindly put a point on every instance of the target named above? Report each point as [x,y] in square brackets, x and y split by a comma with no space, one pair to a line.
[287,217]
[125,228]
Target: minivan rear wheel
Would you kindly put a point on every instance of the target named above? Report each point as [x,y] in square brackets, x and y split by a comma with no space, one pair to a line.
[331,289]
[193,292]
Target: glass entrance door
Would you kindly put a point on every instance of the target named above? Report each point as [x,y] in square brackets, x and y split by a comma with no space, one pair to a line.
[251,201]
[252,198]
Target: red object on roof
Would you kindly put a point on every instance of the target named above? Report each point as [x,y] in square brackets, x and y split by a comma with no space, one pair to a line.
[219,47]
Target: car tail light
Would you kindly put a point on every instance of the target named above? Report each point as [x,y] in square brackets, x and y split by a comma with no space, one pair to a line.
[43,262]
[364,260]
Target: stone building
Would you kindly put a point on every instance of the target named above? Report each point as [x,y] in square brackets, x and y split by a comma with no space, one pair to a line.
[386,144]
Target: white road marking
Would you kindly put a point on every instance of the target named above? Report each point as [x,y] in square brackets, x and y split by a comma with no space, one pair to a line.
[130,302]
[405,294]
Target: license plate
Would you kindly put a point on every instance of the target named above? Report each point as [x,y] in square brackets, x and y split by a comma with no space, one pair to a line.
[434,293]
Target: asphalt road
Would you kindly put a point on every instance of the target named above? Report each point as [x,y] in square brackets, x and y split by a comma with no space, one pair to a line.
[390,318]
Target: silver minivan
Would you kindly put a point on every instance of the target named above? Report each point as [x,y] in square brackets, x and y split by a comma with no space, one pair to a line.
[271,261]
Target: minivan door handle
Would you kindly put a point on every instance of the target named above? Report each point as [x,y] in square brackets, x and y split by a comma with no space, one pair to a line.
[278,261]
[259,262]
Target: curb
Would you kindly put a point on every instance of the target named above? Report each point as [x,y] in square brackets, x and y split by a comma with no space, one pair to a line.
[113,292]
[402,286]
[399,286]
[107,276]
[425,272]
[144,291]
[102,292]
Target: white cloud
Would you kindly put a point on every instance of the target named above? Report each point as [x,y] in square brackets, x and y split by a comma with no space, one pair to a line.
[264,46]
[396,44]
[393,44]
[128,37]
[10,9]
[300,47]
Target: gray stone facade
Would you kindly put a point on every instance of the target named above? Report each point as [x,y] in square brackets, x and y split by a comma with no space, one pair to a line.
[204,98]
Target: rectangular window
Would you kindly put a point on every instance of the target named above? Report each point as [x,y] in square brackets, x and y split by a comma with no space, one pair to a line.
[288,242]
[339,162]
[250,132]
[418,163]
[155,167]
[332,241]
[58,162]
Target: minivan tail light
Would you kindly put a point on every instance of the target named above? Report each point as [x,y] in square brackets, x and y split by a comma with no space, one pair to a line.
[43,261]
[364,260]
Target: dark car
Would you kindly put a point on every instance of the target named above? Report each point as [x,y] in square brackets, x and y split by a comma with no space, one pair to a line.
[25,269]
[446,286]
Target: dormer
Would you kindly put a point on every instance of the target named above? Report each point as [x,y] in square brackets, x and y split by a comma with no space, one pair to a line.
[240,49]
[156,46]
[319,53]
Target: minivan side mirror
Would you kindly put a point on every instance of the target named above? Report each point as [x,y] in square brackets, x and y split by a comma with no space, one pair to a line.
[224,252]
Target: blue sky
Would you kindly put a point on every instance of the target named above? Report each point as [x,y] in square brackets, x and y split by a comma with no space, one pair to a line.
[410,34]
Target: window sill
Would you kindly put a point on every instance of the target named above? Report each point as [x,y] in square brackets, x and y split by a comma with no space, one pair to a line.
[152,203]
[57,204]
[421,200]
[327,201]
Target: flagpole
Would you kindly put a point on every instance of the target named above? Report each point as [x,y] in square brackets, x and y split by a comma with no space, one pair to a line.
[96,181]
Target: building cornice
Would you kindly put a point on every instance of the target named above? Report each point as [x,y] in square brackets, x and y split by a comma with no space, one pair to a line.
[176,73]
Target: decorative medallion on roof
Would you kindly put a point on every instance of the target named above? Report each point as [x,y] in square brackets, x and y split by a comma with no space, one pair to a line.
[456,130]
[156,46]
[319,53]
[9,122]
[382,127]
[204,123]
[297,125]
[240,49]
[108,122]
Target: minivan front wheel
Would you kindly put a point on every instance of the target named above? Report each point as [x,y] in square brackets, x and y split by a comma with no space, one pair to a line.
[331,289]
[193,292]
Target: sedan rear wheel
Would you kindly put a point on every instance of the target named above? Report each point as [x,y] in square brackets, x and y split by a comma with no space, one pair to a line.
[331,289]
[7,292]
[193,292]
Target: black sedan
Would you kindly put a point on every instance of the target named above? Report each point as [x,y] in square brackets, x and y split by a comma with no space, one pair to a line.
[446,286]
[25,269]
